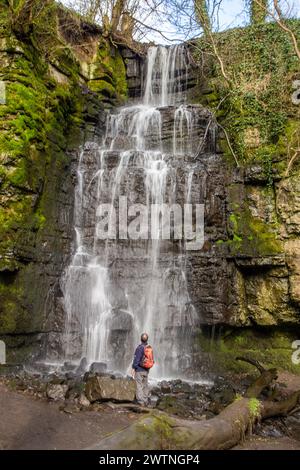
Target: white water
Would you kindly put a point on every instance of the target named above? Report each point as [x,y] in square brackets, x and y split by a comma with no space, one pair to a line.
[115,290]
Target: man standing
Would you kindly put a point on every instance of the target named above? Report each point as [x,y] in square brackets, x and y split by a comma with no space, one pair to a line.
[142,363]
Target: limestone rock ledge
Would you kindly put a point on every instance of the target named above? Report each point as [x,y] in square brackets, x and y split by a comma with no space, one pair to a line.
[60,76]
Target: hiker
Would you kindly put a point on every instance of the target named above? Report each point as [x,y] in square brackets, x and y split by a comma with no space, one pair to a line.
[142,363]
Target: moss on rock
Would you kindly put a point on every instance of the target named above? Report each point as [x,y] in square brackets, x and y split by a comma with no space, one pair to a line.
[107,73]
[251,233]
[270,346]
[47,100]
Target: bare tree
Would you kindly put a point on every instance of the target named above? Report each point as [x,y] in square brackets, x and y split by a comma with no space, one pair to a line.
[202,16]
[129,18]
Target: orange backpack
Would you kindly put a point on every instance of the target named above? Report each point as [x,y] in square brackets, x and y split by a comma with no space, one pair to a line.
[148,358]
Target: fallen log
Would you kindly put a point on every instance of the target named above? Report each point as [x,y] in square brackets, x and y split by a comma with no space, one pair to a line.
[159,431]
[280,408]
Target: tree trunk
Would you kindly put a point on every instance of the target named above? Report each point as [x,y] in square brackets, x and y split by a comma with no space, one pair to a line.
[258,11]
[117,13]
[203,16]
[127,26]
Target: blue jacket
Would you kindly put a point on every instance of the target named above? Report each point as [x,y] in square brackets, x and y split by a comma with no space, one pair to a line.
[138,356]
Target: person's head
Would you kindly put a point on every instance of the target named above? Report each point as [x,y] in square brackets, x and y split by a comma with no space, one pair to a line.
[144,338]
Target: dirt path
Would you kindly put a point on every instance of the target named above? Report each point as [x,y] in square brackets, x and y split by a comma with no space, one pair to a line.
[268,443]
[29,423]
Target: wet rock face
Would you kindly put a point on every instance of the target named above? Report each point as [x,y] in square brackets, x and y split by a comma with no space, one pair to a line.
[130,270]
[135,69]
[156,151]
[134,72]
[193,400]
[54,249]
[98,368]
[241,276]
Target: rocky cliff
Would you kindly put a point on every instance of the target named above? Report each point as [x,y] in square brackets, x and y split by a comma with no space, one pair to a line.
[252,305]
[60,76]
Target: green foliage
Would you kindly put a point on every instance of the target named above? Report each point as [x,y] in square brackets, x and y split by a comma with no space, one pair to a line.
[262,123]
[271,347]
[262,64]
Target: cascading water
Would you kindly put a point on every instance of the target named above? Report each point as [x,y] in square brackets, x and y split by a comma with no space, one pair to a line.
[116,289]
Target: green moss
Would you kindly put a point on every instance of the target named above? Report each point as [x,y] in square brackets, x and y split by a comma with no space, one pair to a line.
[108,73]
[271,347]
[37,111]
[10,310]
[103,88]
[251,235]
[160,432]
[18,176]
[41,118]
[254,407]
[7,320]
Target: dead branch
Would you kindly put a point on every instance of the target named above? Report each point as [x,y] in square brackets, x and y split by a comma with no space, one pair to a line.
[253,362]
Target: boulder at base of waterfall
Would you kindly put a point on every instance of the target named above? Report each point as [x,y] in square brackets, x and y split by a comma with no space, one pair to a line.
[98,368]
[106,388]
[82,368]
[57,392]
[69,367]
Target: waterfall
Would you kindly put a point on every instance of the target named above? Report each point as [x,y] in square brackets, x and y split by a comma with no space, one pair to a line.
[115,289]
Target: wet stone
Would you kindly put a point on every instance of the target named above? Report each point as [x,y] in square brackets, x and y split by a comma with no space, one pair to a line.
[69,366]
[98,368]
[56,392]
[164,386]
[82,368]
